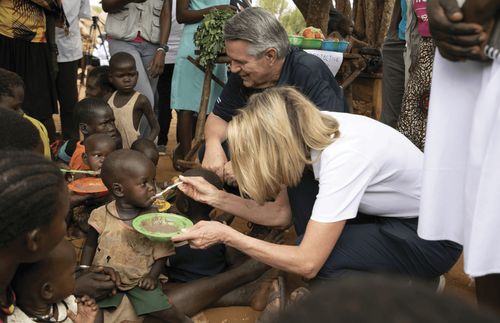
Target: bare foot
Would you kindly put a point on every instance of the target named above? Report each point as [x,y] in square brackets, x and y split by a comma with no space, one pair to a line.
[276,301]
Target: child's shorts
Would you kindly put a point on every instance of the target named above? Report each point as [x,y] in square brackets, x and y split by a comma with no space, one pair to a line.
[143,301]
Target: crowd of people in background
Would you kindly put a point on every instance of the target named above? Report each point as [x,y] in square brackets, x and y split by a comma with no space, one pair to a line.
[404,196]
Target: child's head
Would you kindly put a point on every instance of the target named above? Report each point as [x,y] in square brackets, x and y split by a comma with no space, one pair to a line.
[337,22]
[97,147]
[98,84]
[18,133]
[34,203]
[123,72]
[130,176]
[95,116]
[148,148]
[50,280]
[11,91]
[190,207]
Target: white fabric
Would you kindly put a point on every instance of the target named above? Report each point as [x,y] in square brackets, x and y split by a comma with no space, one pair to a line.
[20,317]
[371,168]
[70,46]
[461,181]
[174,39]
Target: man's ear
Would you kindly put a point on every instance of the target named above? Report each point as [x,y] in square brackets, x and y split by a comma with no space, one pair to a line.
[117,189]
[33,240]
[271,54]
[84,128]
[47,291]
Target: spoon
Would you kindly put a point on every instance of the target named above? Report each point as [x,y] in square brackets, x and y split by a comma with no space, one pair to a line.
[168,188]
[89,172]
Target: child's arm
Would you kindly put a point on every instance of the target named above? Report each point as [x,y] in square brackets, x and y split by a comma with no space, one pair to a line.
[88,311]
[143,107]
[150,280]
[90,247]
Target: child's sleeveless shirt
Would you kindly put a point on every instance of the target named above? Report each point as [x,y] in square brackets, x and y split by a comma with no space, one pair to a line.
[124,119]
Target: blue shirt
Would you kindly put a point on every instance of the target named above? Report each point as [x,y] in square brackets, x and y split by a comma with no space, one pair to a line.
[402,23]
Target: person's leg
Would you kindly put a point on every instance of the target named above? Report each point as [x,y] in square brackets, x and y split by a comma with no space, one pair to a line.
[164,111]
[184,131]
[393,81]
[388,245]
[192,297]
[488,291]
[67,94]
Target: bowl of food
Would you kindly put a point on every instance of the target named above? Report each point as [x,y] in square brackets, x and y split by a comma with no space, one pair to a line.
[311,43]
[88,185]
[295,40]
[160,226]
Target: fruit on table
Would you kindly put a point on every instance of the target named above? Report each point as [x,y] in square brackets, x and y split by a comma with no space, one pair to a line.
[312,32]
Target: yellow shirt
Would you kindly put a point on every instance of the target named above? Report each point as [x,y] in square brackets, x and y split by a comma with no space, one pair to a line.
[44,136]
[22,19]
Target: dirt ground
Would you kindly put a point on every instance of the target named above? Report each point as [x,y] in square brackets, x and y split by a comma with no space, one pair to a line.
[457,283]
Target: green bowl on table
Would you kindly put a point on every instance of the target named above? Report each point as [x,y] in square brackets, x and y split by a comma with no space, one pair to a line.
[295,40]
[311,43]
[160,226]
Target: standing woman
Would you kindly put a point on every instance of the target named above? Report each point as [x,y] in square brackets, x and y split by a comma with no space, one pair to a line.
[140,28]
[187,82]
[363,212]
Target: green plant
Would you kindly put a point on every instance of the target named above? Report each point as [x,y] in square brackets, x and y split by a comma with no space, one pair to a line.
[209,37]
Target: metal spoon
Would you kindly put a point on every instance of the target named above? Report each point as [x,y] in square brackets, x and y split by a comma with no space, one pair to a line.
[168,188]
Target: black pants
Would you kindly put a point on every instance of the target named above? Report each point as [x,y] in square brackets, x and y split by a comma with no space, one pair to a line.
[67,94]
[164,112]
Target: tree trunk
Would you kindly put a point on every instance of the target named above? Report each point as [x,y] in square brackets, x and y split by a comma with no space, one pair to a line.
[315,12]
[372,19]
[344,7]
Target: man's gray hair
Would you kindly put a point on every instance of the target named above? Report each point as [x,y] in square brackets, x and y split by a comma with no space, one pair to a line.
[260,28]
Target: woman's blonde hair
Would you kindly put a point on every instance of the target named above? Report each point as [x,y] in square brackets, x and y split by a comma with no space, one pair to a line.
[271,138]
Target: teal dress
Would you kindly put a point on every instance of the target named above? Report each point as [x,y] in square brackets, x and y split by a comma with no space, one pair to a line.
[187,82]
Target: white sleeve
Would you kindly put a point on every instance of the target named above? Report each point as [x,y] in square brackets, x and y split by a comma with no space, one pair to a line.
[84,12]
[343,179]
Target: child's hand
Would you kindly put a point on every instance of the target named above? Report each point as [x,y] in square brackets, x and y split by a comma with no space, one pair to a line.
[148,282]
[87,310]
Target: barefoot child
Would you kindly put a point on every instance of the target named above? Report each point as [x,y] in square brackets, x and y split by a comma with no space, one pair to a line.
[97,147]
[12,97]
[128,105]
[45,290]
[112,241]
[98,84]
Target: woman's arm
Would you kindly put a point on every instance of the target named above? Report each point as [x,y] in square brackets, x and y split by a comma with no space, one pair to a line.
[275,214]
[185,15]
[305,259]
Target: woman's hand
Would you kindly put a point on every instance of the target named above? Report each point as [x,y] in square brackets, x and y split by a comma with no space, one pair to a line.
[204,234]
[157,64]
[98,282]
[226,7]
[199,189]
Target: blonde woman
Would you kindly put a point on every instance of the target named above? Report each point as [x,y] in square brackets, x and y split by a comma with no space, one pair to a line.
[353,165]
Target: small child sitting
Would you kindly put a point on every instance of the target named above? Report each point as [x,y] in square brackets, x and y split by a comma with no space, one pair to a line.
[98,84]
[92,116]
[148,148]
[12,98]
[128,105]
[44,290]
[112,241]
[97,147]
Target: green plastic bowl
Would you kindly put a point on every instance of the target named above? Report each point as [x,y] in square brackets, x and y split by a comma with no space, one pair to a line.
[311,43]
[295,40]
[159,220]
